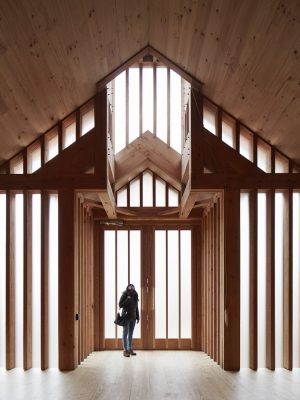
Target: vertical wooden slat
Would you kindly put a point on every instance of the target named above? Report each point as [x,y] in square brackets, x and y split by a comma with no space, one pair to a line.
[215,287]
[270,340]
[92,280]
[67,344]
[231,288]
[218,223]
[221,281]
[253,281]
[127,105]
[44,280]
[168,106]
[27,301]
[196,129]
[209,292]
[288,281]
[254,154]
[154,99]
[141,100]
[10,280]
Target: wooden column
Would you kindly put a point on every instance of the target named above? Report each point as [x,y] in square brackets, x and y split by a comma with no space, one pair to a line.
[10,280]
[67,307]
[44,280]
[196,129]
[101,134]
[288,281]
[231,282]
[253,280]
[270,340]
[27,294]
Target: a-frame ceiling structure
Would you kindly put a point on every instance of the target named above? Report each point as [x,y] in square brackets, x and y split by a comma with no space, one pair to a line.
[246,54]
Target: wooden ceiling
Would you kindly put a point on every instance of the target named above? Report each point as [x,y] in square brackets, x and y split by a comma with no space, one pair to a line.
[246,54]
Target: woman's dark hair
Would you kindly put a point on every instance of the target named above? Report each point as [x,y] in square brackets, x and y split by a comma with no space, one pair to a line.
[130,286]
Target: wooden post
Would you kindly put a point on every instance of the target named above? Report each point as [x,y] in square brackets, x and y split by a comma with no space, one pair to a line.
[44,280]
[196,129]
[27,294]
[231,282]
[253,280]
[270,340]
[196,289]
[67,307]
[10,280]
[101,134]
[288,281]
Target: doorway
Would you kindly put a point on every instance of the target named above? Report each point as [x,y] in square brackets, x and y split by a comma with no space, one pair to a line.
[158,261]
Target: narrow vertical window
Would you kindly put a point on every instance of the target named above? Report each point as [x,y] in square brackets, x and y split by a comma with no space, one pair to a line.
[120,112]
[16,165]
[36,280]
[147,189]
[148,99]
[281,164]
[110,307]
[263,156]
[173,284]
[160,193]
[228,131]
[51,145]
[34,158]
[69,132]
[122,266]
[162,104]
[173,197]
[122,197]
[175,112]
[135,193]
[19,279]
[53,281]
[134,104]
[87,121]
[245,277]
[185,284]
[135,269]
[261,278]
[2,279]
[160,285]
[279,220]
[246,144]
[209,118]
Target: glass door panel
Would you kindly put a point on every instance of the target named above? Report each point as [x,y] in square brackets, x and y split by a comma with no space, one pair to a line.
[172,288]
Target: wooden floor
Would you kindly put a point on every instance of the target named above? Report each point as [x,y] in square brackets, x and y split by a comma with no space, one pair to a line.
[150,375]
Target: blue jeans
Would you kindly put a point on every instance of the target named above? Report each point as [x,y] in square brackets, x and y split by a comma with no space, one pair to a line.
[127,335]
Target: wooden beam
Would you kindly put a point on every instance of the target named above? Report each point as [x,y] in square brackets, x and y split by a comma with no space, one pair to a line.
[216,181]
[68,359]
[83,182]
[288,281]
[196,127]
[231,283]
[187,201]
[108,202]
[100,148]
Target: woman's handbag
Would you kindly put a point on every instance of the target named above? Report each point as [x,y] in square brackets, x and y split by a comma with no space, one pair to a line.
[121,319]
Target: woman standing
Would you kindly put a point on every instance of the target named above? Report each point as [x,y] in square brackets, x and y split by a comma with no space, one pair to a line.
[129,303]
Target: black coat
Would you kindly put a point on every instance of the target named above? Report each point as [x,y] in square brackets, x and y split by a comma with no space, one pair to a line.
[130,305]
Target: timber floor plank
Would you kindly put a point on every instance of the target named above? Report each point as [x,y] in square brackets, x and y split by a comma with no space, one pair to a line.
[151,375]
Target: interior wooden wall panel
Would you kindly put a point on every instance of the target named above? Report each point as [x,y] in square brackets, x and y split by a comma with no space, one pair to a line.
[44,280]
[10,280]
[27,249]
[288,281]
[231,290]
[253,281]
[270,323]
